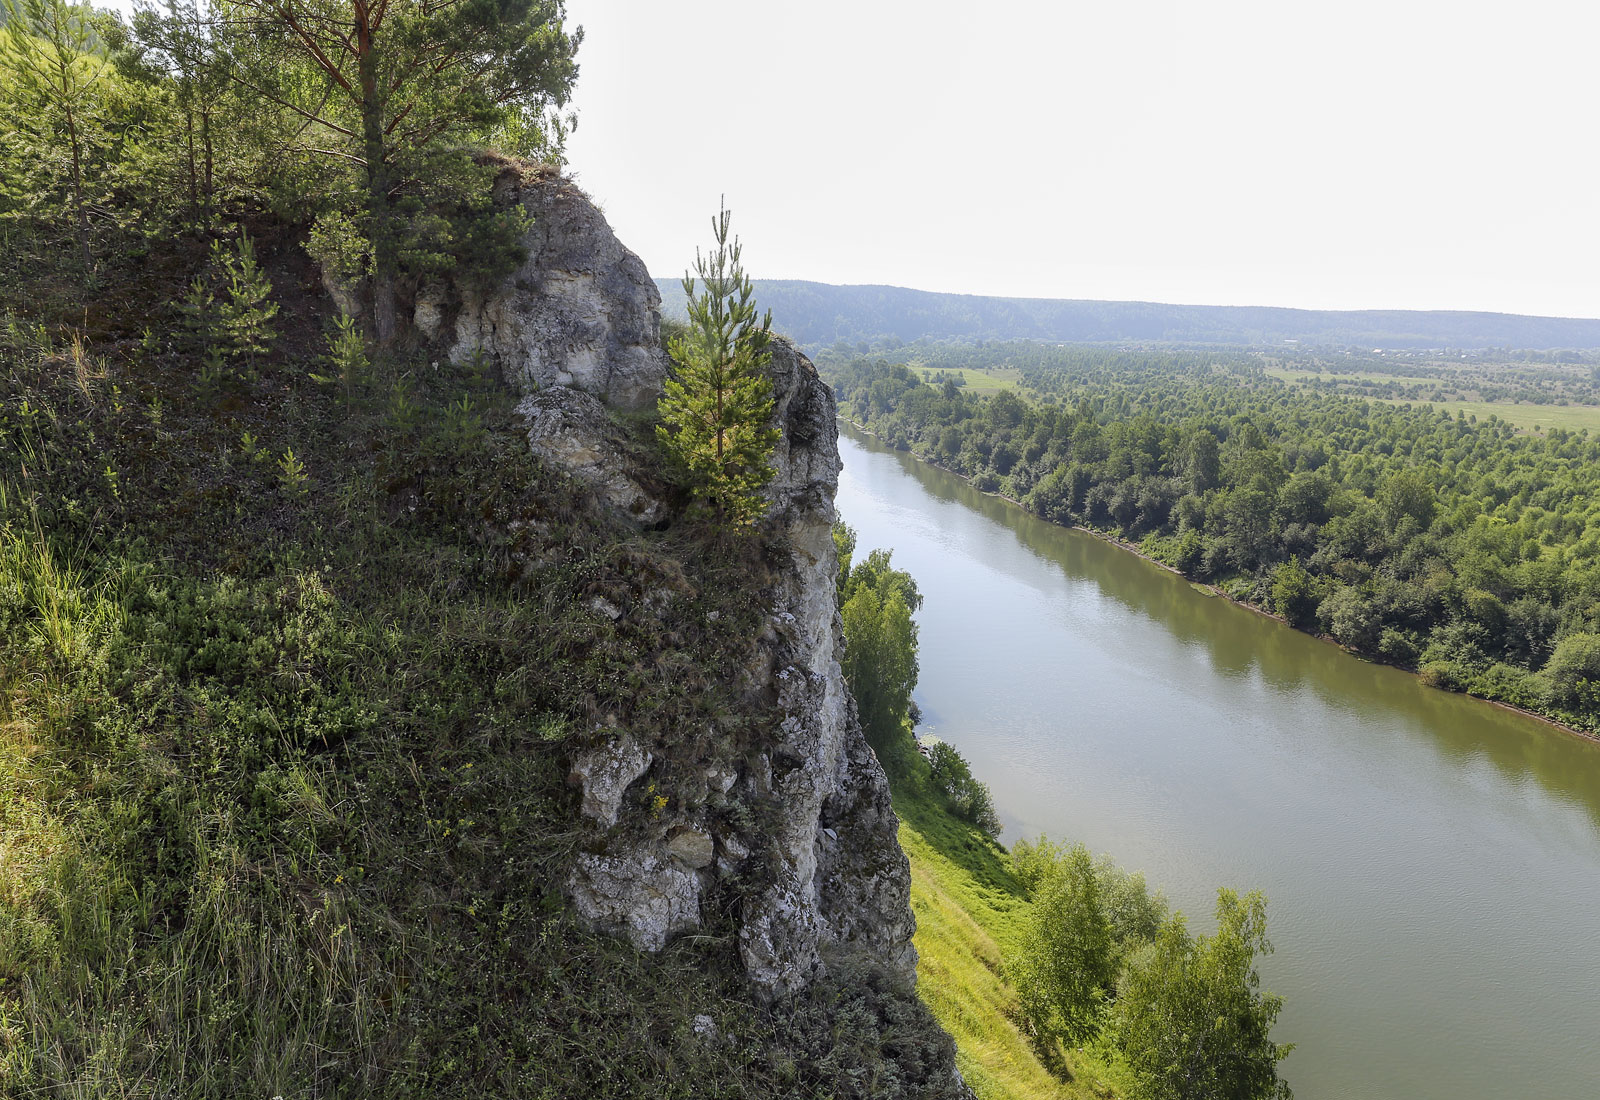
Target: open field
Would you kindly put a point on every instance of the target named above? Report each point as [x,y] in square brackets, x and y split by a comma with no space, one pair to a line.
[988,381]
[1524,417]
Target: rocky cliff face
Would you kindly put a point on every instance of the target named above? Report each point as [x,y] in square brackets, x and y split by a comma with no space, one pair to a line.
[577,330]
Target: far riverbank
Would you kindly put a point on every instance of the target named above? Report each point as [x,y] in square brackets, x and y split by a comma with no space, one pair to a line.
[1587,735]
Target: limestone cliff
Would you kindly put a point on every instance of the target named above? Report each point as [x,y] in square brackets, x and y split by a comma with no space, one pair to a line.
[576,330]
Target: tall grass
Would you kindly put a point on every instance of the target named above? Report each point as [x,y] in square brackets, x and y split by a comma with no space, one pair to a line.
[283,801]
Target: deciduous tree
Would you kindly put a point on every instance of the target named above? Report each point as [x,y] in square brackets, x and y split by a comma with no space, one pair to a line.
[1190,1017]
[1067,965]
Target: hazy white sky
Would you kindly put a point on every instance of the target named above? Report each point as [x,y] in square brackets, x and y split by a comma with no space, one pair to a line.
[1414,154]
[1401,154]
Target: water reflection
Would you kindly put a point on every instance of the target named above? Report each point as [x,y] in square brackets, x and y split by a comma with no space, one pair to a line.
[1240,644]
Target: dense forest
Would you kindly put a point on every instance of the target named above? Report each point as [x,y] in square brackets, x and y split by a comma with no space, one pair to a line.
[1464,549]
[1537,378]
[820,315]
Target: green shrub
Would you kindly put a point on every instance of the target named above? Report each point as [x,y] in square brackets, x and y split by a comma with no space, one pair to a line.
[967,797]
[1573,672]
[1444,675]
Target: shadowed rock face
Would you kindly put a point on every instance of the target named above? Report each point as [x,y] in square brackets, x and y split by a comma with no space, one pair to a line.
[843,880]
[576,329]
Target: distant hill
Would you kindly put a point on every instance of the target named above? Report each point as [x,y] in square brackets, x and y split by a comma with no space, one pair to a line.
[820,315]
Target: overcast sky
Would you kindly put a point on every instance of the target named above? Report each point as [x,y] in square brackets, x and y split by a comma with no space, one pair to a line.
[1399,154]
[1413,154]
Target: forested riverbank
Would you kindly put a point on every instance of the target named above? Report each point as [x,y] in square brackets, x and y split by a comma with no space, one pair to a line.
[1057,974]
[1402,834]
[1462,550]
[1213,590]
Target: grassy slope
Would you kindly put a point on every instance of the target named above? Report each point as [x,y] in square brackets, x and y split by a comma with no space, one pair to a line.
[968,906]
[283,806]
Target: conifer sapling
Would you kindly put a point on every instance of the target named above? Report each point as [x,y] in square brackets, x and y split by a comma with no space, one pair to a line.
[716,410]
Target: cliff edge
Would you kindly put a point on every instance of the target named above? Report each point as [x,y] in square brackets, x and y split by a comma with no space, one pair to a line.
[790,809]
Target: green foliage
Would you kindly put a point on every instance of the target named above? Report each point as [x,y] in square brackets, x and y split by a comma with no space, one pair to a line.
[448,224]
[1294,593]
[393,88]
[1102,961]
[244,308]
[53,91]
[1136,915]
[1421,538]
[716,408]
[229,309]
[966,796]
[1190,1019]
[1351,618]
[292,474]
[1066,964]
[338,243]
[880,653]
[347,350]
[1574,672]
[844,547]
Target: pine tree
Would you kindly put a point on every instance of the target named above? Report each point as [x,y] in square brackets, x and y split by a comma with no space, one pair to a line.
[246,309]
[400,78]
[229,309]
[716,411]
[52,66]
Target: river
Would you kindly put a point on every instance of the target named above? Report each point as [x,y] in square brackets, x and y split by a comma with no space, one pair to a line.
[1431,862]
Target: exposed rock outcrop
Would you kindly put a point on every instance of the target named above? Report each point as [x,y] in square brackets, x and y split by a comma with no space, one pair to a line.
[581,311]
[577,330]
[843,879]
[571,430]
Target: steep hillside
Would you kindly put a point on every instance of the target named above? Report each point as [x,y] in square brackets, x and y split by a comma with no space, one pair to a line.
[819,315]
[396,734]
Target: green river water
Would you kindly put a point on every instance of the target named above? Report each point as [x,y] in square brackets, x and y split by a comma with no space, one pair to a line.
[1431,862]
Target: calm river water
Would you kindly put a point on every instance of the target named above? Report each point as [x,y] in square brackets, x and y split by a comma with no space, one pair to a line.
[1431,862]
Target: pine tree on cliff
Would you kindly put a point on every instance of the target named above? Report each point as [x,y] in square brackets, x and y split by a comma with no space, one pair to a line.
[380,83]
[716,410]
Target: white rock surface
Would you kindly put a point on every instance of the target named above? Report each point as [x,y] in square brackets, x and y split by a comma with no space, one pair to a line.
[581,311]
[648,899]
[572,431]
[605,773]
[577,330]
[853,892]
